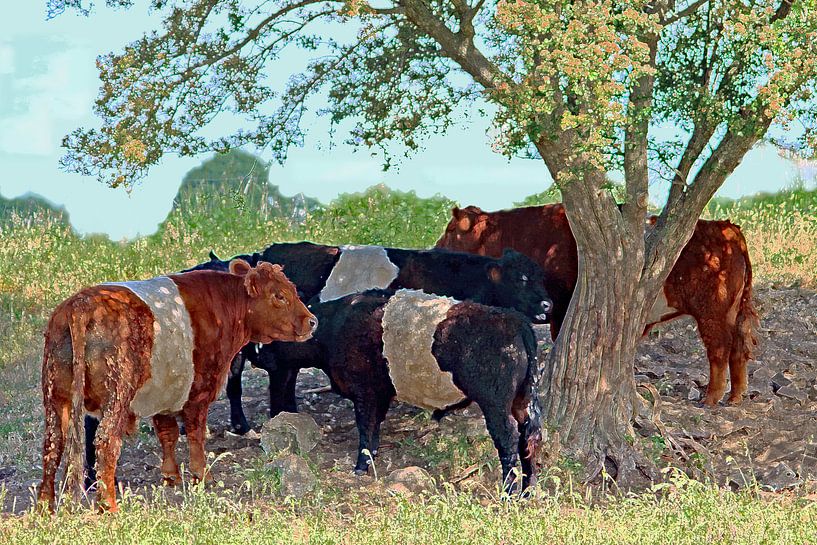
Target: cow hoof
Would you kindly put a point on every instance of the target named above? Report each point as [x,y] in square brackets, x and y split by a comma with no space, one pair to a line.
[171,480]
[241,429]
[737,400]
[361,472]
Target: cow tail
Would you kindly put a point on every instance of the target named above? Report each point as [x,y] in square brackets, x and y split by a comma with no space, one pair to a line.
[533,424]
[747,319]
[75,440]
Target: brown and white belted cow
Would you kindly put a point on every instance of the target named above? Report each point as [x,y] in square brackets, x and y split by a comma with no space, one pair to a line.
[158,348]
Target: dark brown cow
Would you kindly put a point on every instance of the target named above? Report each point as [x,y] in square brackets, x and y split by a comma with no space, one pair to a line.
[154,348]
[711,281]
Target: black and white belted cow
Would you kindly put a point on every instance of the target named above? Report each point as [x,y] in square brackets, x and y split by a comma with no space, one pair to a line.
[433,352]
[325,273]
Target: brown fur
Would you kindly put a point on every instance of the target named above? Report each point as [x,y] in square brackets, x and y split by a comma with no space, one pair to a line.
[711,281]
[97,356]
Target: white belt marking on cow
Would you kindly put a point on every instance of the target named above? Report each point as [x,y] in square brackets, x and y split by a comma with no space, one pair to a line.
[660,309]
[359,268]
[171,357]
[410,319]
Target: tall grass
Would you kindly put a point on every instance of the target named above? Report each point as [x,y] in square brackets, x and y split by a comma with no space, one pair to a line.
[781,232]
[690,513]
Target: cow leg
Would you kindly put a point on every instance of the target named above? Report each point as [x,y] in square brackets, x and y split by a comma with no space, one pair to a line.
[167,430]
[369,415]
[113,424]
[737,373]
[237,418]
[520,414]
[718,343]
[91,426]
[282,391]
[57,414]
[504,431]
[195,420]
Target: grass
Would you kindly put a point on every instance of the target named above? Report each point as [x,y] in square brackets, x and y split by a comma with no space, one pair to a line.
[683,512]
[781,232]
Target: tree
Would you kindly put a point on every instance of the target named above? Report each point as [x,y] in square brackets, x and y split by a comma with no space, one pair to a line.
[582,85]
[242,180]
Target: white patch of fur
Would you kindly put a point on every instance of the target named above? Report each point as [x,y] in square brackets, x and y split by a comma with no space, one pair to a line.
[358,269]
[171,357]
[410,319]
[660,309]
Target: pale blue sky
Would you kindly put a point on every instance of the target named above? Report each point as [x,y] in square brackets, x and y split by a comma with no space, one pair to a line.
[48,81]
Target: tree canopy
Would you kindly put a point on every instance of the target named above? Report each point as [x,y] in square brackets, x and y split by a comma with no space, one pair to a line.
[569,79]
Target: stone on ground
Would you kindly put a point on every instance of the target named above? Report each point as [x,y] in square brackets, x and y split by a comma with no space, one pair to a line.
[297,433]
[297,480]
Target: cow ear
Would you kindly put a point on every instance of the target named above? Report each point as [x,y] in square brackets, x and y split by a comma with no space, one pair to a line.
[213,256]
[239,267]
[251,281]
[455,212]
[494,272]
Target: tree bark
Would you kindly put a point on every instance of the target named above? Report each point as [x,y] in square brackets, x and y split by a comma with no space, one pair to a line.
[588,392]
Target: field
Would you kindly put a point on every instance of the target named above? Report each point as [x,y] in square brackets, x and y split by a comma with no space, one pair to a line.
[731,451]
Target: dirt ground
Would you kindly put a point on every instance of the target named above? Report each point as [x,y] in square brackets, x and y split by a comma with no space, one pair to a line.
[771,437]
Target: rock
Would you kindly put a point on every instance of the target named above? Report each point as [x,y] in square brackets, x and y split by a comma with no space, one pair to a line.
[792,392]
[293,432]
[764,373]
[409,480]
[297,480]
[694,393]
[473,426]
[779,381]
[780,477]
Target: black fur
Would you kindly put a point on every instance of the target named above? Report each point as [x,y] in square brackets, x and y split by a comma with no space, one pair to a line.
[490,352]
[442,272]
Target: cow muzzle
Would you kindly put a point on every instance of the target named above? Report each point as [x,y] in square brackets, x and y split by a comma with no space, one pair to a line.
[546,307]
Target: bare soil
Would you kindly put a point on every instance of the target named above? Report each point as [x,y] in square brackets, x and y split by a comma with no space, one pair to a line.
[770,440]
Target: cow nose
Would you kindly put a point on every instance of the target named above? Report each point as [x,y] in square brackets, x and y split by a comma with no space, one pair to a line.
[547,306]
[313,323]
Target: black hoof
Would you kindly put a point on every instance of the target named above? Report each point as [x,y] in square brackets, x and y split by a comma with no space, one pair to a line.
[241,428]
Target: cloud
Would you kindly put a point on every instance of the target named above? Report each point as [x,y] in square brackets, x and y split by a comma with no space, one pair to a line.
[6,59]
[48,104]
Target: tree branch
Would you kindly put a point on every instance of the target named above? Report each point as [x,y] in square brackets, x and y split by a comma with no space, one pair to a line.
[636,174]
[458,46]
[686,12]
[255,32]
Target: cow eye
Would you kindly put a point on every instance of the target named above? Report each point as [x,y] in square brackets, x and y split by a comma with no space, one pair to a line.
[524,278]
[280,298]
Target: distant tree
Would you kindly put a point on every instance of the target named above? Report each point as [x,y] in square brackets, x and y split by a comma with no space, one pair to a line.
[579,84]
[31,205]
[240,180]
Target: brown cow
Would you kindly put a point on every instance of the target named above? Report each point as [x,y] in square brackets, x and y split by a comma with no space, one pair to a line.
[154,348]
[711,281]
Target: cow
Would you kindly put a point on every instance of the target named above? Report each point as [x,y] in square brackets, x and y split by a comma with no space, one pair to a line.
[324,273]
[432,352]
[711,281]
[157,348]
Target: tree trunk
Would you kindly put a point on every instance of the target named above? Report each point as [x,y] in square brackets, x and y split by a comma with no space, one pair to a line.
[588,394]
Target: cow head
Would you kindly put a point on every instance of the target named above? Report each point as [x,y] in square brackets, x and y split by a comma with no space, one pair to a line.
[218,264]
[274,313]
[517,282]
[469,230]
